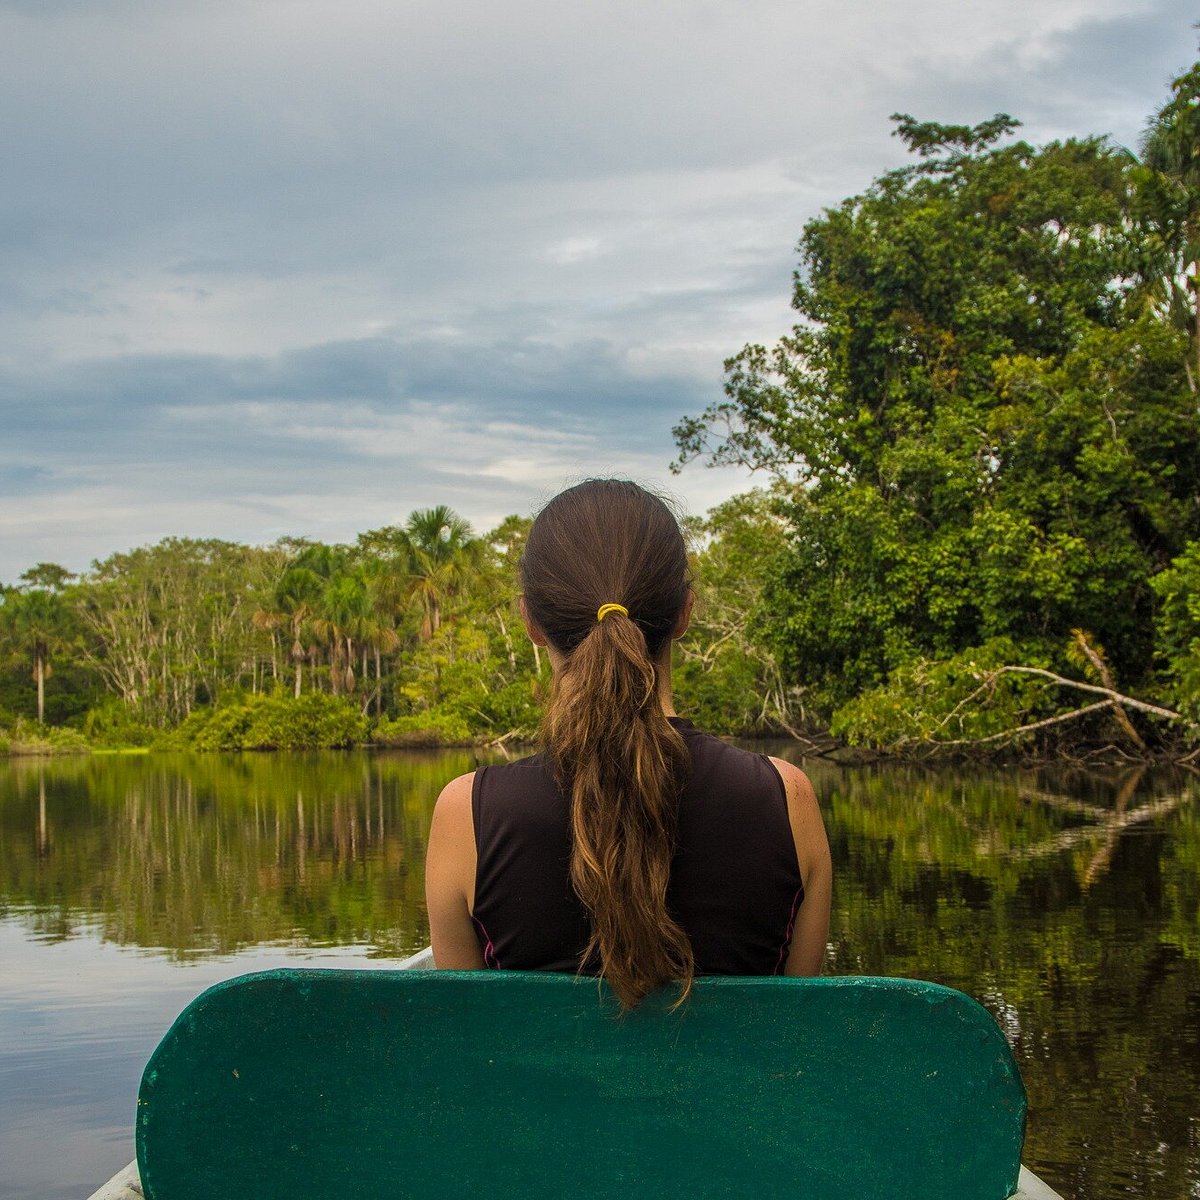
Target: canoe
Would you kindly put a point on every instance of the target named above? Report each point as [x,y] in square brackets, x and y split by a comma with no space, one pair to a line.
[374,1083]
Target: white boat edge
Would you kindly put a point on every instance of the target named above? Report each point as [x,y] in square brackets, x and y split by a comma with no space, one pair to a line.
[1029,1187]
[126,1184]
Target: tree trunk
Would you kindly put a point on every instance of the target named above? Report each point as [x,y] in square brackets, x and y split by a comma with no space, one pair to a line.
[508,642]
[39,669]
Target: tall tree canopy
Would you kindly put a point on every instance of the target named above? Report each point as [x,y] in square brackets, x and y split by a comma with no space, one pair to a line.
[1170,211]
[980,436]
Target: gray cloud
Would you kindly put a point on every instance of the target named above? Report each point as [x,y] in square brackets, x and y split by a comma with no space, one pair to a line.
[1104,74]
[270,269]
[323,440]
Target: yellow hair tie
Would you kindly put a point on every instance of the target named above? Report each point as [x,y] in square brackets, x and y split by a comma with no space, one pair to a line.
[605,609]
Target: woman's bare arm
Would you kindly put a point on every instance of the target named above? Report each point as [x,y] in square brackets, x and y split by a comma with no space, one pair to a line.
[450,879]
[810,933]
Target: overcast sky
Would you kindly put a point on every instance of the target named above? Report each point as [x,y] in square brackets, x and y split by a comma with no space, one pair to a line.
[301,267]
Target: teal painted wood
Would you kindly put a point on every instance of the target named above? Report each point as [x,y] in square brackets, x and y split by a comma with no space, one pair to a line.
[345,1084]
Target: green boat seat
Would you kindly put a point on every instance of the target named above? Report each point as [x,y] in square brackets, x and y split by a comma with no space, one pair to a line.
[432,1084]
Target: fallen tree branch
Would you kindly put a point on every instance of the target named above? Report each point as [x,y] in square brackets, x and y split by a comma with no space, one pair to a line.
[1154,710]
[821,746]
[1012,733]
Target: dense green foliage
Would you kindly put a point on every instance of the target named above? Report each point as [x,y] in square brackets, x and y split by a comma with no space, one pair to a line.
[1178,592]
[984,433]
[310,722]
[410,636]
[725,677]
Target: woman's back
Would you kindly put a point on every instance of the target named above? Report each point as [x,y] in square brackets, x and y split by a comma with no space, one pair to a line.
[734,885]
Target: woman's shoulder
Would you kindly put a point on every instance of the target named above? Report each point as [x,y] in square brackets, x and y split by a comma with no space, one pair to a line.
[503,793]
[796,783]
[711,753]
[804,815]
[454,800]
[798,788]
[490,773]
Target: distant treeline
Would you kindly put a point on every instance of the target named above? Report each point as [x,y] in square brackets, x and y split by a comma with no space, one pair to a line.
[982,527]
[409,635]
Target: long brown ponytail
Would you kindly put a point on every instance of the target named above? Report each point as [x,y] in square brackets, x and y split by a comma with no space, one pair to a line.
[610,542]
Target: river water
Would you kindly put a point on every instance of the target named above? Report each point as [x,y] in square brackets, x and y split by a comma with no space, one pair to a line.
[1068,903]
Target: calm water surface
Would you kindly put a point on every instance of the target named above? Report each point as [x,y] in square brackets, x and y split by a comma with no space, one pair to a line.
[1069,904]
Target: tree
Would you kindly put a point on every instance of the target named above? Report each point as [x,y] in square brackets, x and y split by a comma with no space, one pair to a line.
[49,576]
[35,620]
[726,677]
[346,616]
[296,596]
[442,548]
[977,433]
[172,625]
[1170,188]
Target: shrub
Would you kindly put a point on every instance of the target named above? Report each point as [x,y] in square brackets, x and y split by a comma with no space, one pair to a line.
[111,724]
[27,737]
[433,728]
[1178,628]
[315,721]
[312,722]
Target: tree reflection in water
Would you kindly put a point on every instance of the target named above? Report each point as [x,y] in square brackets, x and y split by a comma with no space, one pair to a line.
[198,854]
[1066,902]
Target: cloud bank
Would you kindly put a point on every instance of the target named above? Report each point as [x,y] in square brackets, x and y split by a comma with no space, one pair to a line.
[298,268]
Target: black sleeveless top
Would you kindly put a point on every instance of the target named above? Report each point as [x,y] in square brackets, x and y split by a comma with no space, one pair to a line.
[735,883]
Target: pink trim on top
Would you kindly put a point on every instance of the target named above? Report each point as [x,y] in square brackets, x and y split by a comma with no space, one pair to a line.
[797,899]
[489,951]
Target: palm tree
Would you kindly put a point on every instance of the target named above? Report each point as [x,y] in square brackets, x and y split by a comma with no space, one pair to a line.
[346,616]
[442,549]
[35,620]
[379,634]
[295,602]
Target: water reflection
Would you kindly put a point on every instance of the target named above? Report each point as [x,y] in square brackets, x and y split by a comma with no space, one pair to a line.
[1066,902]
[205,854]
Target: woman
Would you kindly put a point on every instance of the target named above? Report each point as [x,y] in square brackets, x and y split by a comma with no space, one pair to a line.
[633,846]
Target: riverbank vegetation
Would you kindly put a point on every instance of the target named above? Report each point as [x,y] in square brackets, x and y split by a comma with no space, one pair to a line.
[979,527]
[409,636]
[984,437]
